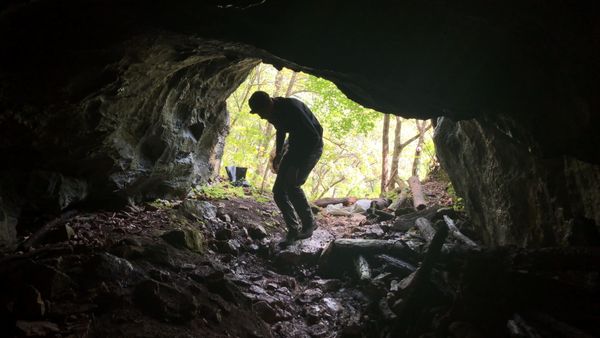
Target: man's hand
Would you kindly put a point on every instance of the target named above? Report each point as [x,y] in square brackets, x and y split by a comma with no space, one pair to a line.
[276,161]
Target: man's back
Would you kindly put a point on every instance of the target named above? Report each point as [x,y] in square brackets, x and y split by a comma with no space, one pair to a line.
[294,117]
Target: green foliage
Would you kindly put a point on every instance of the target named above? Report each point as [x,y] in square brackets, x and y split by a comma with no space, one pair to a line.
[457,201]
[161,204]
[342,116]
[224,190]
[218,191]
[351,160]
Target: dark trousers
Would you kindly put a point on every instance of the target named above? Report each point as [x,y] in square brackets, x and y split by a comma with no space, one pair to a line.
[287,192]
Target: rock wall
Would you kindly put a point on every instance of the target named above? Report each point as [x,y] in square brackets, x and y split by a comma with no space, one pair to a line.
[148,123]
[513,195]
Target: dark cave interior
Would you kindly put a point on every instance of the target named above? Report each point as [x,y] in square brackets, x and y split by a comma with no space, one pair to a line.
[107,103]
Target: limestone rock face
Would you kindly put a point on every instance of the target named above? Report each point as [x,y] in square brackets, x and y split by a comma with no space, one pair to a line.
[148,123]
[513,195]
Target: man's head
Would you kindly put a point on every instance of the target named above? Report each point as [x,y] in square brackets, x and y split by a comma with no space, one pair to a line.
[261,103]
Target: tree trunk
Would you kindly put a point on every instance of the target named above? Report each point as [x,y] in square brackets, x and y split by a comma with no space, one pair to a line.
[419,148]
[384,153]
[394,175]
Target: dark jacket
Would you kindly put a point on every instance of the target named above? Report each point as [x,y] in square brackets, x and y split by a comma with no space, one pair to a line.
[292,116]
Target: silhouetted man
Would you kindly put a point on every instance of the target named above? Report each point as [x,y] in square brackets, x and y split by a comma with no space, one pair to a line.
[305,146]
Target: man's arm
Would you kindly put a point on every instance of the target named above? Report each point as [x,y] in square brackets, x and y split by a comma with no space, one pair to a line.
[279,140]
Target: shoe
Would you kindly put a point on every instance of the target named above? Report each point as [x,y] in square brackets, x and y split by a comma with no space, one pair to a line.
[307,232]
[290,238]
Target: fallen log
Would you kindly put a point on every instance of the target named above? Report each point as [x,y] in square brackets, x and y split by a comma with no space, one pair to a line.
[337,256]
[408,308]
[397,265]
[417,193]
[425,228]
[378,215]
[362,268]
[459,236]
[323,202]
[407,221]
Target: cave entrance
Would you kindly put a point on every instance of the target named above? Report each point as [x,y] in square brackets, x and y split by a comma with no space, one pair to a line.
[357,139]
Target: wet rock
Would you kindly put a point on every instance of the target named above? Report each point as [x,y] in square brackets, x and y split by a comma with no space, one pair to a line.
[198,210]
[231,246]
[332,305]
[211,313]
[165,302]
[160,275]
[265,312]
[291,328]
[326,285]
[310,295]
[29,304]
[128,248]
[116,269]
[185,238]
[223,234]
[304,251]
[225,218]
[158,254]
[36,328]
[206,274]
[257,232]
[312,314]
[319,330]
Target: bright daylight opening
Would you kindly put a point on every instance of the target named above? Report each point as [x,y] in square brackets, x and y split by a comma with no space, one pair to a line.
[366,153]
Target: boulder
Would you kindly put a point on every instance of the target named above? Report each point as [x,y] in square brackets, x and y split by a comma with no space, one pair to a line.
[165,302]
[513,194]
[185,239]
[198,210]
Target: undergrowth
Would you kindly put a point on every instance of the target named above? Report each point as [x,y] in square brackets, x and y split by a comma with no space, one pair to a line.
[224,190]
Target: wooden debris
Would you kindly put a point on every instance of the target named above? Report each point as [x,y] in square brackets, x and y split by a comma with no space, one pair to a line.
[409,308]
[379,215]
[517,327]
[405,222]
[459,236]
[338,254]
[323,202]
[425,228]
[417,193]
[399,266]
[362,268]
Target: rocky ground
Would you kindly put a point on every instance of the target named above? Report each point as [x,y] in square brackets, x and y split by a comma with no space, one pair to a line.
[209,268]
